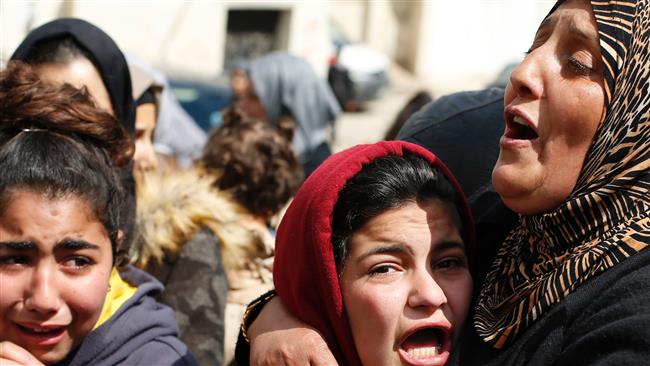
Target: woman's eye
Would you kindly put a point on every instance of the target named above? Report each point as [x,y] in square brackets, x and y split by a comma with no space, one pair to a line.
[578,67]
[77,262]
[381,270]
[450,263]
[14,260]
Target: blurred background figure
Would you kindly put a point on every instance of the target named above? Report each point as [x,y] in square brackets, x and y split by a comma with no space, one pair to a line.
[176,139]
[184,226]
[146,93]
[285,91]
[419,100]
[179,222]
[255,164]
[76,52]
[199,226]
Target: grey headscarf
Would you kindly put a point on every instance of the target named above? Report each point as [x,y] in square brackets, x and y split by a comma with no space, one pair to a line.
[285,82]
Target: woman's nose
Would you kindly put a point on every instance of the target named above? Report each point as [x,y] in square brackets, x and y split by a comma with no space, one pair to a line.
[526,79]
[425,291]
[43,295]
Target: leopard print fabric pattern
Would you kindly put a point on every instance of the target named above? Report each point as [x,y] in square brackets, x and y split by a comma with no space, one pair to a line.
[607,217]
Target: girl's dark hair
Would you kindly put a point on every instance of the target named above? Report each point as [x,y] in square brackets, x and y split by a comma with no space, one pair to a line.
[55,141]
[254,162]
[388,182]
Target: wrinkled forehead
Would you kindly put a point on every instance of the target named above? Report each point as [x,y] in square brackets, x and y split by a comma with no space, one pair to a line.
[615,23]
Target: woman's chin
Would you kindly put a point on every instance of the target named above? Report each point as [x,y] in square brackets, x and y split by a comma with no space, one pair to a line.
[515,188]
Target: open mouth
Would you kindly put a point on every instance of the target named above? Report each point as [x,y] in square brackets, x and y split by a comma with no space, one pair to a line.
[426,346]
[41,331]
[518,129]
[40,335]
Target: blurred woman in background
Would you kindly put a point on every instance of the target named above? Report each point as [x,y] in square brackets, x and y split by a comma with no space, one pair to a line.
[285,91]
[255,164]
[76,52]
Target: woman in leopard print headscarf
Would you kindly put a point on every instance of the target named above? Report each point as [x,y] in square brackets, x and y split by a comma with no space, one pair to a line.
[571,285]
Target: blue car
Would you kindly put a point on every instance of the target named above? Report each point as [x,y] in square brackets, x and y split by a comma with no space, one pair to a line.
[203,100]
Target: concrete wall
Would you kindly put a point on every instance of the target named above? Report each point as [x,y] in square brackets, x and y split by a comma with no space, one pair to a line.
[187,36]
[449,44]
[465,43]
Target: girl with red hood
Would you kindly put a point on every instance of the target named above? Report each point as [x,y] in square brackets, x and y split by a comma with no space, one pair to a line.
[373,252]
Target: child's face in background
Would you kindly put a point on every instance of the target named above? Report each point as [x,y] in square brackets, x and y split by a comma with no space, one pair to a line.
[407,286]
[144,158]
[55,264]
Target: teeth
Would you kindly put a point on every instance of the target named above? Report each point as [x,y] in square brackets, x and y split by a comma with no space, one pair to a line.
[40,330]
[519,120]
[423,352]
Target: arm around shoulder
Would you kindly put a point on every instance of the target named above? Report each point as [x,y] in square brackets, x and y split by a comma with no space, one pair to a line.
[279,338]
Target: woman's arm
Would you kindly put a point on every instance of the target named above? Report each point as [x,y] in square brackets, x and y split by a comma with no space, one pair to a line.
[279,338]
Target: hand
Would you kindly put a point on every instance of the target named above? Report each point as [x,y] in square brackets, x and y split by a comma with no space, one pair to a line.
[278,338]
[13,355]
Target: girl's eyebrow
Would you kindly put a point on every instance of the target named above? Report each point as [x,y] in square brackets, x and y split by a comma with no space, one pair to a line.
[446,245]
[401,248]
[386,249]
[19,245]
[75,244]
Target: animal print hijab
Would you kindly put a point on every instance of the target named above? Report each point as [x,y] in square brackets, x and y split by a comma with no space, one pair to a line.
[606,219]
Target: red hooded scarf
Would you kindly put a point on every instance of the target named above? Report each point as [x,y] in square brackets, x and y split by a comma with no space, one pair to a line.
[305,274]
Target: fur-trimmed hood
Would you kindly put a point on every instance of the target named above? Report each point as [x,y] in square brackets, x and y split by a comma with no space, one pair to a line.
[172,207]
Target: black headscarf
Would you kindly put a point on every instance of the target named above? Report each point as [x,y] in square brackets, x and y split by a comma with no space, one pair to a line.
[106,56]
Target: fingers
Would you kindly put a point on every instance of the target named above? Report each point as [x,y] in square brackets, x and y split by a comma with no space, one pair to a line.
[323,357]
[279,338]
[14,355]
[291,347]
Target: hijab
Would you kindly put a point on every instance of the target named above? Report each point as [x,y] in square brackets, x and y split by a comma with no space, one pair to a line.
[286,83]
[106,56]
[606,218]
[305,274]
